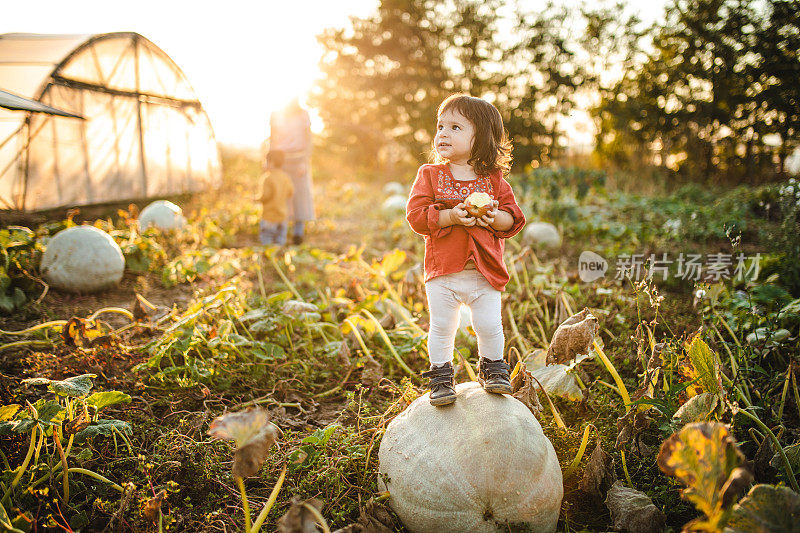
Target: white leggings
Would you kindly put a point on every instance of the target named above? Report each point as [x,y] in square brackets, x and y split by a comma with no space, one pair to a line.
[446,294]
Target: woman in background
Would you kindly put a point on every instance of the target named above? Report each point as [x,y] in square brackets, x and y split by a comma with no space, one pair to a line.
[290,133]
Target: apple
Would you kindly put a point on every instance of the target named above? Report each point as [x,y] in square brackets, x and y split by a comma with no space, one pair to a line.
[478,204]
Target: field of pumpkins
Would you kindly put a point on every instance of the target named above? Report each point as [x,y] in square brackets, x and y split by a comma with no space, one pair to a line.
[161,371]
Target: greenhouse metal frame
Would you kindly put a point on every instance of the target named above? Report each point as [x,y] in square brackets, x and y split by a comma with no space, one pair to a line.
[145,132]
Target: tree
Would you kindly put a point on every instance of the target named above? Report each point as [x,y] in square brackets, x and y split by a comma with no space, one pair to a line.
[716,84]
[383,79]
[776,74]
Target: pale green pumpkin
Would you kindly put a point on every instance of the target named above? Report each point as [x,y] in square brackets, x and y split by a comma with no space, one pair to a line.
[82,259]
[162,214]
[478,465]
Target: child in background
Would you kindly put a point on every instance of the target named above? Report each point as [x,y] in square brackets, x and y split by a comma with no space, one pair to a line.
[463,253]
[276,191]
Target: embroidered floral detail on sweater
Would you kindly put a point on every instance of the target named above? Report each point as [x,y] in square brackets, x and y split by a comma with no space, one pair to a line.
[450,189]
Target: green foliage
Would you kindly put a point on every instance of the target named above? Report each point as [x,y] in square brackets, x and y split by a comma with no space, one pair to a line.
[75,387]
[106,428]
[143,253]
[765,508]
[19,256]
[786,238]
[47,413]
[311,447]
[98,400]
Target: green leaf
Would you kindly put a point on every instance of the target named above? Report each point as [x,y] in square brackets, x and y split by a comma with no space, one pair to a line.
[16,427]
[74,387]
[699,408]
[48,410]
[765,508]
[792,453]
[705,364]
[105,428]
[104,399]
[5,521]
[6,304]
[264,326]
[84,455]
[18,298]
[268,351]
[255,314]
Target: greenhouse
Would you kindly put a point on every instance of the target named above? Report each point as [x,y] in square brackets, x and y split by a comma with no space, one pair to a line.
[144,133]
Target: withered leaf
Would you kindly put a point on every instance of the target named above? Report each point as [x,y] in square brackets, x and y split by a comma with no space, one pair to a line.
[762,470]
[599,474]
[372,373]
[375,518]
[572,337]
[103,341]
[523,388]
[249,458]
[70,427]
[153,506]
[352,528]
[629,426]
[703,456]
[387,321]
[633,511]
[737,483]
[344,354]
[558,381]
[142,309]
[298,519]
[74,329]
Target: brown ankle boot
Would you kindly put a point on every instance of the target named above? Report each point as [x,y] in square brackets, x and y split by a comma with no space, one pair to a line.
[494,375]
[442,384]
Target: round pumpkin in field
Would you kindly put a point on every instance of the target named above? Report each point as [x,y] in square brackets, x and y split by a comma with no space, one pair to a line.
[478,204]
[82,259]
[541,234]
[481,464]
[162,214]
[394,205]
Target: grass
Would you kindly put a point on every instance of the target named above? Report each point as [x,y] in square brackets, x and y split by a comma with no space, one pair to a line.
[334,376]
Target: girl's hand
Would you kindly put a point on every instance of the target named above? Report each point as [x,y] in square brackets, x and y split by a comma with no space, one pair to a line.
[460,215]
[486,220]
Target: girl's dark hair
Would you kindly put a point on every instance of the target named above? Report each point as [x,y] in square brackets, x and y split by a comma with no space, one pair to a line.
[491,149]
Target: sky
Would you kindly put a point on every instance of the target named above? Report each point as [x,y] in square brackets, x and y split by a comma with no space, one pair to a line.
[243,58]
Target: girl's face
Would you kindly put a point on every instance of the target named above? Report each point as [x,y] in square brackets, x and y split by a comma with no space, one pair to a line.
[454,137]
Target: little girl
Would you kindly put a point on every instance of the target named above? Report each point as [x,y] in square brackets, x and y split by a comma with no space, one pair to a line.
[463,254]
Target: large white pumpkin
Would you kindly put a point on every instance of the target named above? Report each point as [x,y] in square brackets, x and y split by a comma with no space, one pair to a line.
[477,465]
[394,204]
[394,187]
[82,259]
[162,214]
[542,234]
